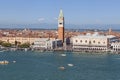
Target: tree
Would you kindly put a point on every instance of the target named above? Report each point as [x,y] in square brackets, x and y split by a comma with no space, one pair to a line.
[6,44]
[24,45]
[16,43]
[1,42]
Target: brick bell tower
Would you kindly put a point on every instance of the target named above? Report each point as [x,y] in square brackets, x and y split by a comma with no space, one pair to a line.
[61,26]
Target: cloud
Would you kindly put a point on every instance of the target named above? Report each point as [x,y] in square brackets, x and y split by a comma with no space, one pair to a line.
[41,19]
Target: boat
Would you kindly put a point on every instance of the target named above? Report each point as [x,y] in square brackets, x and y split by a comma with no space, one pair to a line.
[14,61]
[62,68]
[4,62]
[63,54]
[70,65]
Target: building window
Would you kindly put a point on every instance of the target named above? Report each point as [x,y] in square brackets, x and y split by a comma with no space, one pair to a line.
[60,23]
[81,41]
[76,41]
[98,42]
[85,41]
[89,42]
[94,41]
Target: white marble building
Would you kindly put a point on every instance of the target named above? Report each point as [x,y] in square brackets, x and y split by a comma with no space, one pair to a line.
[93,42]
[46,43]
[115,46]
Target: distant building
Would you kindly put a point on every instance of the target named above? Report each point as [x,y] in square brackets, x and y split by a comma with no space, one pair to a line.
[61,26]
[46,43]
[115,46]
[93,42]
[21,40]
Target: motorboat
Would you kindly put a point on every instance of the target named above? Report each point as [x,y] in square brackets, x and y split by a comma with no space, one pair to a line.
[63,54]
[14,61]
[62,68]
[4,62]
[70,65]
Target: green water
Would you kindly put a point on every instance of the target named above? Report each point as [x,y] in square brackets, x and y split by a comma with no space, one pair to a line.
[45,66]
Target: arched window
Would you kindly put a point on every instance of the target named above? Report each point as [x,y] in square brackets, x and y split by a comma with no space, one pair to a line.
[94,41]
[81,41]
[85,41]
[89,42]
[98,42]
[76,40]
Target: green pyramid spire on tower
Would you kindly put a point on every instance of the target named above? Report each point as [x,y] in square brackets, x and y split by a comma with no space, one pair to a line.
[61,14]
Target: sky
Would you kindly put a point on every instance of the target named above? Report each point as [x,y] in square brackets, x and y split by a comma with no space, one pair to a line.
[47,11]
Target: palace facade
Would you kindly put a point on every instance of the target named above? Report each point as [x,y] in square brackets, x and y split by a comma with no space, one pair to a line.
[90,42]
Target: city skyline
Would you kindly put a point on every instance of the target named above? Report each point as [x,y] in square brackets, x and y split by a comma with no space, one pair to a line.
[76,12]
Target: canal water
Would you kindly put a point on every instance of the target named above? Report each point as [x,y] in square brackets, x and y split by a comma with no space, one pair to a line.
[47,66]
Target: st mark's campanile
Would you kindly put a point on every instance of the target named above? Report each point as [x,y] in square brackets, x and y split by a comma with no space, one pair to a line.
[61,26]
